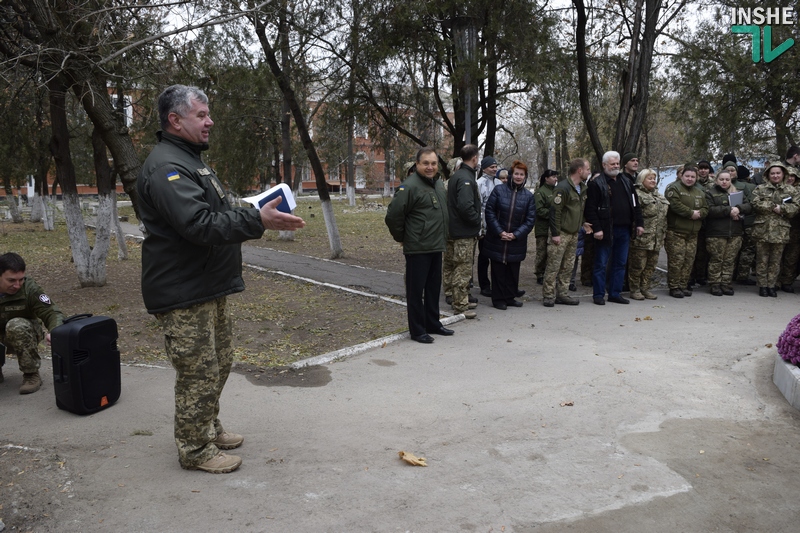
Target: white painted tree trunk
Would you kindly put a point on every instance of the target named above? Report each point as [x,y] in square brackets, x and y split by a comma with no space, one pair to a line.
[37,208]
[48,213]
[351,196]
[122,246]
[13,208]
[332,229]
[90,264]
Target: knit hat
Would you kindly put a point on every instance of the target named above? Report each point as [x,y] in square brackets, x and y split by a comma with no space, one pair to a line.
[728,157]
[730,165]
[488,161]
[742,173]
[627,157]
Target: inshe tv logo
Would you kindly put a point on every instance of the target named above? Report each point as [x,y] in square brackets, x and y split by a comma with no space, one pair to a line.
[758,22]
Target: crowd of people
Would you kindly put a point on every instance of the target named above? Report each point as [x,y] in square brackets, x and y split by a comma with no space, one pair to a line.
[717,228]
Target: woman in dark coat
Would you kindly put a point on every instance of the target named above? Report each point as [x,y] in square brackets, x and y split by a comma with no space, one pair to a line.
[510,216]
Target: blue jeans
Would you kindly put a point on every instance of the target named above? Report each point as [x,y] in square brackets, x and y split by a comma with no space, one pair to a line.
[617,251]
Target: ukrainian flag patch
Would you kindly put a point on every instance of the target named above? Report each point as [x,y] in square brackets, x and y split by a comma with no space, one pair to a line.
[172,176]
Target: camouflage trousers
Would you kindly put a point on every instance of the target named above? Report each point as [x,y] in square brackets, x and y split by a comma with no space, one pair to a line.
[641,265]
[198,343]
[791,256]
[680,249]
[22,338]
[541,255]
[722,259]
[747,255]
[768,262]
[560,258]
[457,271]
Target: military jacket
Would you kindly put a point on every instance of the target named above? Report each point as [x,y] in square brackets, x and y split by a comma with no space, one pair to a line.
[654,212]
[30,302]
[542,199]
[770,226]
[682,201]
[192,250]
[417,215]
[719,222]
[566,208]
[463,204]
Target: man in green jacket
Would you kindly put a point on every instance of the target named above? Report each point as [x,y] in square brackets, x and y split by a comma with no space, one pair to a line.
[566,217]
[191,261]
[23,308]
[417,217]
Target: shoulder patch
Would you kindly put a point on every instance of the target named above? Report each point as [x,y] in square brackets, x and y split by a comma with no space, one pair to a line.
[557,199]
[671,192]
[45,299]
[172,176]
[203,171]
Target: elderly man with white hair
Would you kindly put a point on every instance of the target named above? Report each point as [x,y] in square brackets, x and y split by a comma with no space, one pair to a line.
[615,215]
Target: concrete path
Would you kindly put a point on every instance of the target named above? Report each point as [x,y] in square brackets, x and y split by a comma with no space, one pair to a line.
[655,416]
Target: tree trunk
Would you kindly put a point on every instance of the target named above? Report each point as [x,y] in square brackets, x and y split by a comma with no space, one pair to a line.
[65,173]
[37,207]
[351,168]
[13,208]
[583,79]
[305,137]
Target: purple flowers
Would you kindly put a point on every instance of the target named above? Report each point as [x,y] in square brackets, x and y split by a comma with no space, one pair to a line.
[789,342]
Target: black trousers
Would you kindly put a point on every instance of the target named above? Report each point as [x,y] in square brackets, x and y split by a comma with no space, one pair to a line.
[483,267]
[423,286]
[505,281]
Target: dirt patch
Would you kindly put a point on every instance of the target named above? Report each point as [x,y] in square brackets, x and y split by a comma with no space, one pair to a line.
[271,376]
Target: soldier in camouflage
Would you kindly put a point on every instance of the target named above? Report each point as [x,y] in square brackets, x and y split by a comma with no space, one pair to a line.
[687,209]
[643,255]
[191,261]
[565,218]
[543,198]
[791,253]
[23,308]
[775,203]
[746,261]
[724,229]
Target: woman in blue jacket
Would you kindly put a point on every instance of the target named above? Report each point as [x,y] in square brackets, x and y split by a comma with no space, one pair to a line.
[510,216]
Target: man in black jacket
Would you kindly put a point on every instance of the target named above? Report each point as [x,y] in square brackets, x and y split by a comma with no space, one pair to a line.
[191,260]
[613,210]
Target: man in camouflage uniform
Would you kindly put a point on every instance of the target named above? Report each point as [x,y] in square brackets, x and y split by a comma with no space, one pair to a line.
[566,217]
[191,260]
[464,209]
[791,253]
[687,209]
[23,308]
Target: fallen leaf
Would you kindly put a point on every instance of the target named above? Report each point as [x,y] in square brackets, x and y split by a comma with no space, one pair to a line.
[648,318]
[383,345]
[509,340]
[702,451]
[697,316]
[412,459]
[637,319]
[766,458]
[620,371]
[567,404]
[195,491]
[769,345]
[620,476]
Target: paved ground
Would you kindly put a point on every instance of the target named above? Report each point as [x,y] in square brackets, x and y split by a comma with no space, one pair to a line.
[655,416]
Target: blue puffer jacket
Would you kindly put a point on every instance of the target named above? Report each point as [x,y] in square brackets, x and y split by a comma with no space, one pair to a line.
[510,208]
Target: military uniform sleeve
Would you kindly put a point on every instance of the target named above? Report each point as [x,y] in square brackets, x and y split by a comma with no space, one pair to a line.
[555,211]
[42,307]
[791,207]
[185,204]
[395,218]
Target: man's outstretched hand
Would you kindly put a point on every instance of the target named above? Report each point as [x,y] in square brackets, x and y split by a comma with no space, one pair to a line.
[273,219]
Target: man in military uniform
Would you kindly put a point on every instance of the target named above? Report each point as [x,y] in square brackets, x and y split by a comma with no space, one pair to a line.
[23,308]
[191,261]
[566,217]
[464,209]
